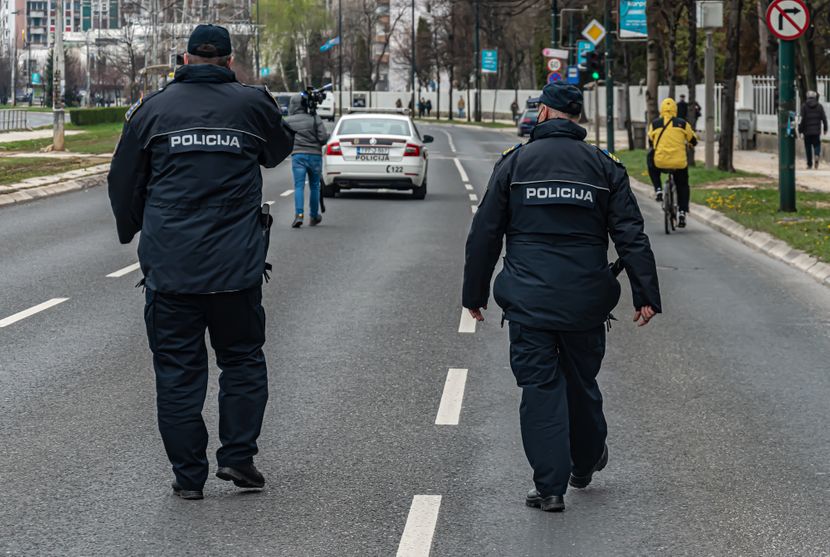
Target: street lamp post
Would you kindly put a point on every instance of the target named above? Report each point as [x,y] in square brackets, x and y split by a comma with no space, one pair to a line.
[57,79]
[412,66]
[477,98]
[340,55]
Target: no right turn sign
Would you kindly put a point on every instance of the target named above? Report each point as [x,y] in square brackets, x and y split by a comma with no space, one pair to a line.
[787,19]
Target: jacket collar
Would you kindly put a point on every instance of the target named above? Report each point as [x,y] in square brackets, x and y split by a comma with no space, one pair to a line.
[204,73]
[558,127]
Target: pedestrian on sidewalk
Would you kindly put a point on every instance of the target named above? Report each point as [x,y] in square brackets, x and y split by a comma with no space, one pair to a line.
[310,135]
[556,199]
[186,173]
[461,105]
[812,124]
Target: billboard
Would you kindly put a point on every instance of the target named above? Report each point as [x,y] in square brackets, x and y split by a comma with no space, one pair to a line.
[633,20]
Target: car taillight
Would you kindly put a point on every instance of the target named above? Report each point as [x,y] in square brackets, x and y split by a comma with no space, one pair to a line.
[412,150]
[527,121]
[334,148]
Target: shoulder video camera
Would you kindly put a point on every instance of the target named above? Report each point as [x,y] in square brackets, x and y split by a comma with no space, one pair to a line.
[313,97]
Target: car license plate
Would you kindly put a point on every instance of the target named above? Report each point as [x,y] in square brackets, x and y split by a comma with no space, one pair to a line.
[373,150]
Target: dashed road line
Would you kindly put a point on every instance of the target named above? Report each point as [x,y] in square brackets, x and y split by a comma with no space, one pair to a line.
[416,540]
[125,271]
[450,408]
[461,171]
[469,187]
[468,323]
[473,197]
[286,193]
[473,208]
[31,311]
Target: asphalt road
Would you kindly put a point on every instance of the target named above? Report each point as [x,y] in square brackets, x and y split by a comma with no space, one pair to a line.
[717,410]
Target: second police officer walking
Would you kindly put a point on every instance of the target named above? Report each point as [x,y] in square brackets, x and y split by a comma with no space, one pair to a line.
[557,199]
[186,174]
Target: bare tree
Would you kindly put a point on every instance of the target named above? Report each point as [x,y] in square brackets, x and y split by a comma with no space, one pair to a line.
[733,35]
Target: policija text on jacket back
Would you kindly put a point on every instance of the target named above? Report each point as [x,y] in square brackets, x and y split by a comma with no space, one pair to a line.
[186,174]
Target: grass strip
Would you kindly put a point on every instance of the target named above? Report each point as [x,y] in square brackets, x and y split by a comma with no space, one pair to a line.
[635,163]
[99,139]
[16,169]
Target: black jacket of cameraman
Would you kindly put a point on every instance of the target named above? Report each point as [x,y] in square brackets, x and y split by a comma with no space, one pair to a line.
[310,132]
[186,174]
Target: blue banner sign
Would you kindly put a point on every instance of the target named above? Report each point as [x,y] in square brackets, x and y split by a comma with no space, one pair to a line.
[633,19]
[573,75]
[489,61]
[329,44]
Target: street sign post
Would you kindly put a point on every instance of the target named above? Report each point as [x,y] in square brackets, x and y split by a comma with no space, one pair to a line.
[594,32]
[489,61]
[787,20]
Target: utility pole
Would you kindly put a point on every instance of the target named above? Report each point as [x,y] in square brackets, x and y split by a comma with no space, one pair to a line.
[256,53]
[412,66]
[554,26]
[57,79]
[477,98]
[709,100]
[88,96]
[340,54]
[596,112]
[786,138]
[13,52]
[609,80]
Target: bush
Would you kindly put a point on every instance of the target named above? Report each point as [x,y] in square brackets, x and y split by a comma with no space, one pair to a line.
[91,116]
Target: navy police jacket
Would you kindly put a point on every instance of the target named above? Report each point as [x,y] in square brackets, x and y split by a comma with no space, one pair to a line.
[557,199]
[186,173]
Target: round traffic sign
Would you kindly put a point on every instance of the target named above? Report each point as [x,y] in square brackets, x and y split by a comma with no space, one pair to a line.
[553,77]
[554,64]
[788,19]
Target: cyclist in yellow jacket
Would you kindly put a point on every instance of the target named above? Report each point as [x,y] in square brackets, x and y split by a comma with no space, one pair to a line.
[668,137]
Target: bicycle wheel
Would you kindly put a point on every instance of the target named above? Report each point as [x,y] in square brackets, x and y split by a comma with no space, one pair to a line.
[667,207]
[673,203]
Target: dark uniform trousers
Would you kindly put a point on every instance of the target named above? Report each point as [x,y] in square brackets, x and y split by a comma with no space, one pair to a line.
[563,427]
[176,325]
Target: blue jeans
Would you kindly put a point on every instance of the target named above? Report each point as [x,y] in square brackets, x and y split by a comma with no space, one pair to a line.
[303,164]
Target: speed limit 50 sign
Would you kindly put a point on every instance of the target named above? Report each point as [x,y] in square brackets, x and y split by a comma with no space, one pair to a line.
[788,19]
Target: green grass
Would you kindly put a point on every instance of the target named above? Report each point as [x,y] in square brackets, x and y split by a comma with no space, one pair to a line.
[807,230]
[15,169]
[464,122]
[24,106]
[96,140]
[635,163]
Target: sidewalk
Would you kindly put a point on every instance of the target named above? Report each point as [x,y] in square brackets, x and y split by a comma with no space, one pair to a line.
[8,137]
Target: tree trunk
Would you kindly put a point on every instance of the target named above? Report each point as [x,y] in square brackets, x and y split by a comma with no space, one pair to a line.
[727,128]
[807,59]
[671,58]
[771,47]
[691,79]
[629,128]
[652,63]
[451,106]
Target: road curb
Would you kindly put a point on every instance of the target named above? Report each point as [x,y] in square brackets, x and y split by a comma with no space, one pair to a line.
[759,241]
[57,184]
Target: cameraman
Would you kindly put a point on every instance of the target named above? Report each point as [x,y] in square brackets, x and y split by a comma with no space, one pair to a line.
[306,158]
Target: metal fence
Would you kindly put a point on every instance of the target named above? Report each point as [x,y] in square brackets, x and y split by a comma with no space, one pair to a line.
[13,120]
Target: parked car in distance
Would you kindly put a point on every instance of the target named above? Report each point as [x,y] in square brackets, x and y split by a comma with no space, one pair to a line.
[327,108]
[527,121]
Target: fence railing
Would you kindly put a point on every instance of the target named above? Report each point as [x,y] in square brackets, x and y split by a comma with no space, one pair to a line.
[13,119]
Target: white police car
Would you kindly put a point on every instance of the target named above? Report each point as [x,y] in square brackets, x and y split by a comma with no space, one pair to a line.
[374,149]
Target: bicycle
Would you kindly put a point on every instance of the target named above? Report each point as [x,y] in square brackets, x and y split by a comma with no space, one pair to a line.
[670,208]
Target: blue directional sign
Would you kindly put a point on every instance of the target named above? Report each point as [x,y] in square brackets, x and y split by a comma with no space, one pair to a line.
[573,75]
[582,50]
[633,19]
[264,72]
[489,61]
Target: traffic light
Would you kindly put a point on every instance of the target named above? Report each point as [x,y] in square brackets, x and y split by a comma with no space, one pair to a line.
[595,64]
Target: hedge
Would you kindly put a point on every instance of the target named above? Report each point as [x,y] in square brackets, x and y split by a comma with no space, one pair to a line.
[91,116]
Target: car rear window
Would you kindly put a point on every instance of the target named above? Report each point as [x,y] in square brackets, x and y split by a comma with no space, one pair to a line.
[376,126]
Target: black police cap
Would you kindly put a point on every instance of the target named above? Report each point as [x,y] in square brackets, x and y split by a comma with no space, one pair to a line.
[562,97]
[209,41]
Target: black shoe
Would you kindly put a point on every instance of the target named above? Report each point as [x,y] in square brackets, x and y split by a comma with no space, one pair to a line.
[246,476]
[581,481]
[816,165]
[314,221]
[298,221]
[550,504]
[681,220]
[190,494]
[659,196]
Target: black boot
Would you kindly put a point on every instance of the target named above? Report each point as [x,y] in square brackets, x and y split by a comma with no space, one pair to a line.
[581,479]
[246,476]
[551,503]
[190,494]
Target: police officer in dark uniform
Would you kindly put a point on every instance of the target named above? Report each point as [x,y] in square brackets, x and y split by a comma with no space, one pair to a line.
[186,174]
[557,199]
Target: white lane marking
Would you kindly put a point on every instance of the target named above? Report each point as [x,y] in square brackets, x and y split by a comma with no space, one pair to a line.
[286,193]
[416,540]
[473,197]
[449,140]
[450,408]
[125,271]
[474,209]
[270,202]
[467,323]
[469,187]
[31,311]
[461,171]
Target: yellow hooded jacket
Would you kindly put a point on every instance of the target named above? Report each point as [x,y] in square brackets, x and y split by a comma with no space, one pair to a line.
[668,136]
